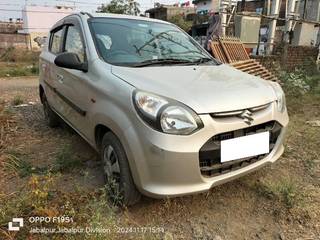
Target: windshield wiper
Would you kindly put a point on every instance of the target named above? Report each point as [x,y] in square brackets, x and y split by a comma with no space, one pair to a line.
[161,62]
[203,60]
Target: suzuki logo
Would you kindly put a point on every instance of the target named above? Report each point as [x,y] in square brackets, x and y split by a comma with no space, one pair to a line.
[15,221]
[246,115]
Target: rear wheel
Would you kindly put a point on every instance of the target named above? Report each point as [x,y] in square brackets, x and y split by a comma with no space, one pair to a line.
[50,116]
[120,185]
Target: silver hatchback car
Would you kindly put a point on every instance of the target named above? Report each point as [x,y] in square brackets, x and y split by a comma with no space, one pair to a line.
[166,117]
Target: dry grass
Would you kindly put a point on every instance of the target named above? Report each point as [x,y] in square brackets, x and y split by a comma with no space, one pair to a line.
[7,126]
[19,55]
[17,100]
[18,62]
[18,69]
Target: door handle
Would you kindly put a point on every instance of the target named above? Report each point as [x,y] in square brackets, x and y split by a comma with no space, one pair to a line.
[60,78]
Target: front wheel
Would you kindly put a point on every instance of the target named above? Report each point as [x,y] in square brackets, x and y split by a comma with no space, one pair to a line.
[120,185]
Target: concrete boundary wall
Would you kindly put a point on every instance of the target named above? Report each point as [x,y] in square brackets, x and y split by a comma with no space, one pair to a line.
[15,40]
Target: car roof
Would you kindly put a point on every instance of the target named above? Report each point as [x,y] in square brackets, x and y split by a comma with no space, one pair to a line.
[123,16]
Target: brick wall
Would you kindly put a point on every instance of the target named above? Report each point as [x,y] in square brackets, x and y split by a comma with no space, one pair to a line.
[298,57]
[301,56]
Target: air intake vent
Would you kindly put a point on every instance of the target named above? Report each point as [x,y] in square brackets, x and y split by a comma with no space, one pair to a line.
[209,155]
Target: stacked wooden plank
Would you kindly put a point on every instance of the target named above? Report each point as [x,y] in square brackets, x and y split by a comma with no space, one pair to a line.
[253,67]
[218,52]
[230,50]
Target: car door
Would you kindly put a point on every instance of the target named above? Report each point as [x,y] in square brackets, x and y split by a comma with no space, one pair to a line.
[73,84]
[48,67]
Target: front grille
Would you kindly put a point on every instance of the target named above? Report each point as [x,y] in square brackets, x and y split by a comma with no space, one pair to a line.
[237,113]
[209,155]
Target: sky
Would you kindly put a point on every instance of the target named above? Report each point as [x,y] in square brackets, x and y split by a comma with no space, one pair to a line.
[12,8]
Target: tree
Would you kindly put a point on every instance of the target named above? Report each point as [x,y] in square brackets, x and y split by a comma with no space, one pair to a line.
[130,7]
[181,22]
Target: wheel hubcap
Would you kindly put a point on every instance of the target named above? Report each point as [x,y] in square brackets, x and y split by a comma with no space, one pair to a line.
[111,168]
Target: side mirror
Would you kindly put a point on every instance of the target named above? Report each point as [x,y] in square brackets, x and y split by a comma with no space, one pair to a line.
[71,61]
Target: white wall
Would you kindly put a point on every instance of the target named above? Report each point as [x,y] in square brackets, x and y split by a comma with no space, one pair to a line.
[305,34]
[40,19]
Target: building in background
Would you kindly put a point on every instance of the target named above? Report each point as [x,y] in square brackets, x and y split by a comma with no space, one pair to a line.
[309,10]
[165,12]
[37,20]
[9,36]
[255,6]
[307,32]
[204,7]
[12,26]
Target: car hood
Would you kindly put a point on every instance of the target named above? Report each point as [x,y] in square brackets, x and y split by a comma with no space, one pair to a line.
[206,89]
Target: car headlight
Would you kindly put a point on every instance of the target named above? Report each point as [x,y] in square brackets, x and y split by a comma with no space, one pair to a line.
[166,115]
[281,99]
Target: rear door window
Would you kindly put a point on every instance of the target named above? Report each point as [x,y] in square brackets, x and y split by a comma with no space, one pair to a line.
[56,41]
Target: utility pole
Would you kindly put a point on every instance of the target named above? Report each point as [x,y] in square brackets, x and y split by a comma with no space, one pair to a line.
[275,8]
[268,7]
[223,14]
[226,5]
[290,14]
[304,9]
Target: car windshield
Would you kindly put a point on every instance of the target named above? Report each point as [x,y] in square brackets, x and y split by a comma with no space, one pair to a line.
[141,43]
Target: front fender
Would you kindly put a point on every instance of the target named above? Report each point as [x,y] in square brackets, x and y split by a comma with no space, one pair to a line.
[119,121]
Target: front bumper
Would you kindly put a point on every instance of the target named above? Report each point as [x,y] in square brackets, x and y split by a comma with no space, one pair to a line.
[167,165]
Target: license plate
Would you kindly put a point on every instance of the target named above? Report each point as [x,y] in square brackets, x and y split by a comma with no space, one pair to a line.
[243,147]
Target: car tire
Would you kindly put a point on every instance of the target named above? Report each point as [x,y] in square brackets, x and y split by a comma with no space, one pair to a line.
[50,116]
[119,182]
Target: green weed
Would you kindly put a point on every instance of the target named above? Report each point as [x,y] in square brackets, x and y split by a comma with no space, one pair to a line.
[286,191]
[16,164]
[66,160]
[17,100]
[300,82]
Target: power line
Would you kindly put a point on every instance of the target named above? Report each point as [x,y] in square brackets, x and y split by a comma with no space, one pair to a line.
[34,11]
[77,2]
[59,1]
[46,5]
[22,10]
[19,29]
[10,4]
[69,1]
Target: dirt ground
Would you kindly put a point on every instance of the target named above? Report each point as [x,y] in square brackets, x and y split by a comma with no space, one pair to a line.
[49,172]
